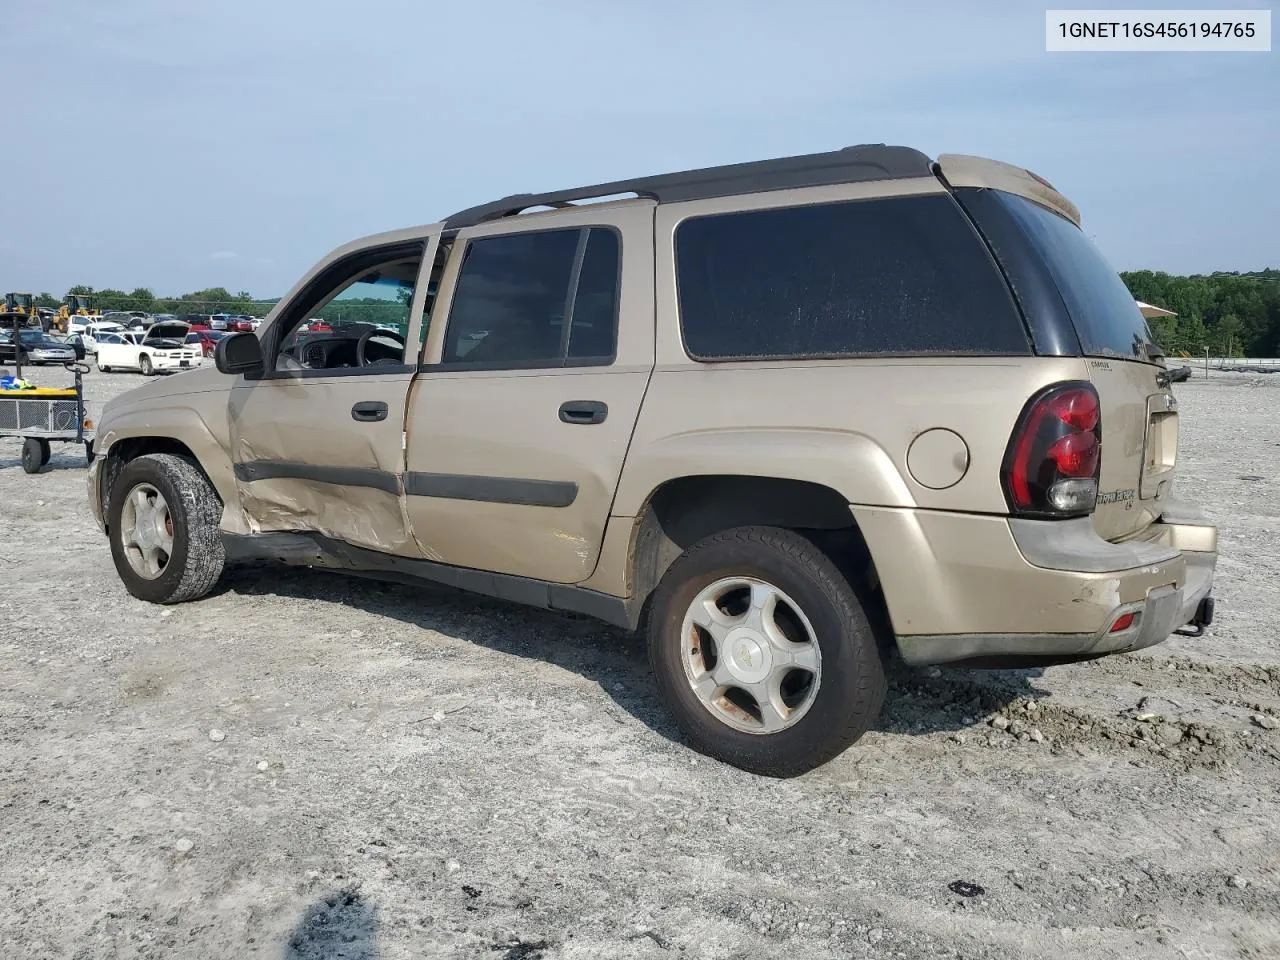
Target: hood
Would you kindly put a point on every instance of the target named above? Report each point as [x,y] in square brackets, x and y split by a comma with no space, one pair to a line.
[168,330]
[169,391]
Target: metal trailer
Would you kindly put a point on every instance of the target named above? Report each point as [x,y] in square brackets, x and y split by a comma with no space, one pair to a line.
[45,414]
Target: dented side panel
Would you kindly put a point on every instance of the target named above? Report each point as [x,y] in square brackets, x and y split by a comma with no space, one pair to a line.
[303,463]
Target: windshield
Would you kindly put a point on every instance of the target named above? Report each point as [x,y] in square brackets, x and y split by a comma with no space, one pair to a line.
[31,336]
[1105,315]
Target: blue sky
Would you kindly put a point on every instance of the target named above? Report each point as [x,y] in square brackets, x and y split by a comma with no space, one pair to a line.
[233,143]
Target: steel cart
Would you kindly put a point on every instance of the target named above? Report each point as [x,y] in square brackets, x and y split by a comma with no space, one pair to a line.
[45,414]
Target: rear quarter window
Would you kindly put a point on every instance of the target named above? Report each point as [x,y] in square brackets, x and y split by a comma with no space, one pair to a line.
[1102,310]
[902,276]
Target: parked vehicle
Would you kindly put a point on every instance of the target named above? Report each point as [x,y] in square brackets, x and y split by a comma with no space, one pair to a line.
[34,347]
[76,343]
[161,349]
[90,327]
[207,339]
[785,416]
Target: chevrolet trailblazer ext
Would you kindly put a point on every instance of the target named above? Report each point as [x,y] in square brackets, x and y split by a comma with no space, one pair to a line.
[786,416]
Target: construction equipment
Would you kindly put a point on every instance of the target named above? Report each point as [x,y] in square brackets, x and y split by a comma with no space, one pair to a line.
[21,303]
[76,305]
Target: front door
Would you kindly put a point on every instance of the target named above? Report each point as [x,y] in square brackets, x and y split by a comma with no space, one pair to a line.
[539,352]
[317,442]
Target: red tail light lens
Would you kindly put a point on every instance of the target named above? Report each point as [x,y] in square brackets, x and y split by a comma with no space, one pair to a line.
[1076,454]
[1051,468]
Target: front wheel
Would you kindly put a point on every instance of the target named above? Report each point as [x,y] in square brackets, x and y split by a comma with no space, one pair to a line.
[163,522]
[144,364]
[763,652]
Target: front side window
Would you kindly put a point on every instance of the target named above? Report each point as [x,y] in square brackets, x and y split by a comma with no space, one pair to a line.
[901,276]
[361,321]
[535,299]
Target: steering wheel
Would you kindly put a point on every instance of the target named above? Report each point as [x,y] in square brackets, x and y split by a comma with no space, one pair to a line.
[368,335]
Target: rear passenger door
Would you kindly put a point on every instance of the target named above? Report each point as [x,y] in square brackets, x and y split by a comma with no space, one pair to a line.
[537,356]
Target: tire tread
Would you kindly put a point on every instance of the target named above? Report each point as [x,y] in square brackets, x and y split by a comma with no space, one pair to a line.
[806,559]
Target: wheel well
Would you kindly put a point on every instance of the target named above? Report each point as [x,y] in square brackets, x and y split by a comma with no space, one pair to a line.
[131,448]
[685,510]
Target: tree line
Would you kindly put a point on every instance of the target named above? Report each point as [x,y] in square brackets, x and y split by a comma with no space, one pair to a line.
[1232,314]
[210,300]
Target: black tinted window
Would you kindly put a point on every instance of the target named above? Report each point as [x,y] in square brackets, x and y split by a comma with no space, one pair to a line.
[513,294]
[901,276]
[1106,317]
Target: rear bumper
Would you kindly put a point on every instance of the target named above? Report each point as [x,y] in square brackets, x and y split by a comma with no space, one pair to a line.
[964,587]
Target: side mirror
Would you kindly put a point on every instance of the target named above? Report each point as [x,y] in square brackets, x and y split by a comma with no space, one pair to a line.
[239,353]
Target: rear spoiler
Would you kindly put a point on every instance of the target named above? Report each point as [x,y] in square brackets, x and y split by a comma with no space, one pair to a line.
[964,171]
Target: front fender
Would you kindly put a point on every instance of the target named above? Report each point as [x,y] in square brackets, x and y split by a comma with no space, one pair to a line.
[186,426]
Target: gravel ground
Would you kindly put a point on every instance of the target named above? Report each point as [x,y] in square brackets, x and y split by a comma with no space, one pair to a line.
[306,765]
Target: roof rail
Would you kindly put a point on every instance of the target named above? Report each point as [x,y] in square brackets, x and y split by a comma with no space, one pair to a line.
[866,162]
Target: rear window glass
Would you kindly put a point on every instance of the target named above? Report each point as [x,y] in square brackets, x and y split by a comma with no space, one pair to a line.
[1105,315]
[901,276]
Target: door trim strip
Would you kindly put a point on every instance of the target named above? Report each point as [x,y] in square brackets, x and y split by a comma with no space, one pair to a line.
[513,490]
[318,473]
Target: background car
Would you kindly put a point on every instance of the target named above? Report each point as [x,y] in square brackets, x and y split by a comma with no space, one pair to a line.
[207,339]
[76,343]
[160,349]
[37,348]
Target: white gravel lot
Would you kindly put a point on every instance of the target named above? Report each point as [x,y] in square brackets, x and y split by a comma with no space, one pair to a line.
[307,765]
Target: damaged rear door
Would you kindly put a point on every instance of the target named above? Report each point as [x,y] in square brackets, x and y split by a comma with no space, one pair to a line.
[318,441]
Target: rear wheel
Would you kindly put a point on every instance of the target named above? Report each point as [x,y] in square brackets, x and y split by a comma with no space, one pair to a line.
[144,364]
[764,653]
[163,521]
[35,454]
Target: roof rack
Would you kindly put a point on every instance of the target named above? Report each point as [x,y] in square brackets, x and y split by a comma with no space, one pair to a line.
[873,161]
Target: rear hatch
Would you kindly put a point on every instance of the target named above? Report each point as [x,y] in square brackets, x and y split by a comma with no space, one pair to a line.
[1139,414]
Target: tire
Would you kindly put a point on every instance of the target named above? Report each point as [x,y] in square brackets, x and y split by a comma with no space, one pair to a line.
[35,454]
[850,682]
[145,366]
[197,556]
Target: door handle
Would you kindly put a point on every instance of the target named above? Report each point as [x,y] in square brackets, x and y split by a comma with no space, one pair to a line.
[583,411]
[369,411]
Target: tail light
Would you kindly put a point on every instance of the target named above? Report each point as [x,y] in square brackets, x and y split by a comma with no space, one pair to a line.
[1051,467]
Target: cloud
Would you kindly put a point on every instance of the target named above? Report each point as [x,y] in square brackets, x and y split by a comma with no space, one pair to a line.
[224,255]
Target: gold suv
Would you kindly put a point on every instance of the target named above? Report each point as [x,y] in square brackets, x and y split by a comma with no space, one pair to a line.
[786,416]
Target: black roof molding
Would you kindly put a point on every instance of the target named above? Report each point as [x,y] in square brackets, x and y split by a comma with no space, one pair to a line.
[872,161]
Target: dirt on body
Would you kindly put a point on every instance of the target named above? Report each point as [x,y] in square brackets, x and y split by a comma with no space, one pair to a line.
[308,765]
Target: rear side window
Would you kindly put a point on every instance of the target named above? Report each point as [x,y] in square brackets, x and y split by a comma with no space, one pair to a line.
[536,299]
[1105,315]
[900,276]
